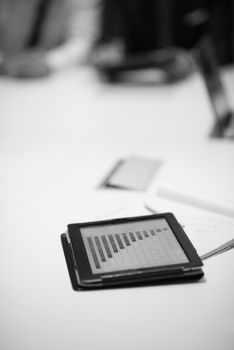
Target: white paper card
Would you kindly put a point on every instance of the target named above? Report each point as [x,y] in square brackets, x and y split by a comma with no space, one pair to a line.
[134,173]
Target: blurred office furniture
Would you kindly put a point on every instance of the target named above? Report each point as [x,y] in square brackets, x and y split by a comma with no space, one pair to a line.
[206,56]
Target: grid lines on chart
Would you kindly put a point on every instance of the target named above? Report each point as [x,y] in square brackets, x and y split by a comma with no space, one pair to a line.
[118,251]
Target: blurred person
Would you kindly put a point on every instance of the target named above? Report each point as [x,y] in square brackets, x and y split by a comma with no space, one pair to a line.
[37,36]
[136,34]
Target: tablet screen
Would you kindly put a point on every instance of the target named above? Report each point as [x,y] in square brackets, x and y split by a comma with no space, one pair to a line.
[131,245]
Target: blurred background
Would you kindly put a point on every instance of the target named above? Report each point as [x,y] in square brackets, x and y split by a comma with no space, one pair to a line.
[112,30]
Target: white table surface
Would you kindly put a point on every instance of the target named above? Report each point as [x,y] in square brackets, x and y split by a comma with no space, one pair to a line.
[58,139]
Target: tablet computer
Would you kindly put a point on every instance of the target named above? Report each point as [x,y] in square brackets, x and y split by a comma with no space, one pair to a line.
[129,251]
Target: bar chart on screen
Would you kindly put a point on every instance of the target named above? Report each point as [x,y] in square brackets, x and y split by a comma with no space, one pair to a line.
[149,247]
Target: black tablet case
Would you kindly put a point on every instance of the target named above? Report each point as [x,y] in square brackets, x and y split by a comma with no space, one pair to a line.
[166,277]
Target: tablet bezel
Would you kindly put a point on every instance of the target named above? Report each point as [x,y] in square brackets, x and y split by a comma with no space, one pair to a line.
[81,262]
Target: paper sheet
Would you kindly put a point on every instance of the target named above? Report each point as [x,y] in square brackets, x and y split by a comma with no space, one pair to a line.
[207,231]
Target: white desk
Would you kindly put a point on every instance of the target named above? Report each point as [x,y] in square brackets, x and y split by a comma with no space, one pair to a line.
[58,138]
